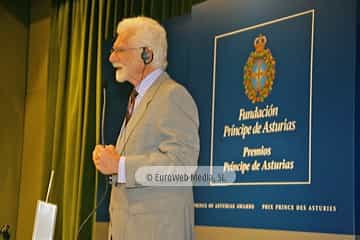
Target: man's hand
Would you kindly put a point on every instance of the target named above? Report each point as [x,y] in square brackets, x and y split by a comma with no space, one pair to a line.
[106,159]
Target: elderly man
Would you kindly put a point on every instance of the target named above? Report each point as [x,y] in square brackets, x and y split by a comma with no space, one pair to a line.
[160,129]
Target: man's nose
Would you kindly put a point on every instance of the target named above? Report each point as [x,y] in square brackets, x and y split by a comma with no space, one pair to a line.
[112,57]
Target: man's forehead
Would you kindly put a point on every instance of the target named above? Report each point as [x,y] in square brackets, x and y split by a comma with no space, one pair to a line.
[124,36]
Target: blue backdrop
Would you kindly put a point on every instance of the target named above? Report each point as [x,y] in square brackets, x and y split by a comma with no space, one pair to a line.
[319,195]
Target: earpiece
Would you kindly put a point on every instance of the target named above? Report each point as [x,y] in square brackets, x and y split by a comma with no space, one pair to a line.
[147,55]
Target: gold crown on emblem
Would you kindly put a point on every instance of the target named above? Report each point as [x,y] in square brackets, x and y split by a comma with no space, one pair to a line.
[259,43]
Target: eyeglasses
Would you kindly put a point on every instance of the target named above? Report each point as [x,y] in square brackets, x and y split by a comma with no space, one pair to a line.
[115,50]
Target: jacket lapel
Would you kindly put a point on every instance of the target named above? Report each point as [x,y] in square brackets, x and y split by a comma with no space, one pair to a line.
[140,110]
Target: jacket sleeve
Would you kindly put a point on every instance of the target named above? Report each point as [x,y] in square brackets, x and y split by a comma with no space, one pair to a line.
[178,123]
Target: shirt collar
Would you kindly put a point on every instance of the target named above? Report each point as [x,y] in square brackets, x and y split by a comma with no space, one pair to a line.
[148,81]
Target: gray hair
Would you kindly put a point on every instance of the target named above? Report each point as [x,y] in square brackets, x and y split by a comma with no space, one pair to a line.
[147,33]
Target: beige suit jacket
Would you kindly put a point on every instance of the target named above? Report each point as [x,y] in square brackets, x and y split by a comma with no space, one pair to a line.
[162,131]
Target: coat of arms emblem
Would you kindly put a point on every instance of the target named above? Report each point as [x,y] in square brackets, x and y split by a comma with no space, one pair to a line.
[259,71]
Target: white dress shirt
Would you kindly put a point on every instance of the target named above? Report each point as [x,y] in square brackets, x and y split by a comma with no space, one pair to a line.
[144,85]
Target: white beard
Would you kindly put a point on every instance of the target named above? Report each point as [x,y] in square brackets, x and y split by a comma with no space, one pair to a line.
[121,74]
